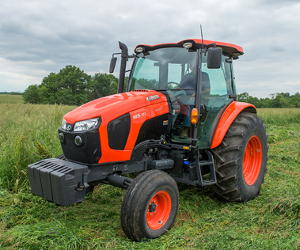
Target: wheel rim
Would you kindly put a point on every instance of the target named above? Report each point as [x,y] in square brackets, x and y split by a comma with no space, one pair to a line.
[158,210]
[252,160]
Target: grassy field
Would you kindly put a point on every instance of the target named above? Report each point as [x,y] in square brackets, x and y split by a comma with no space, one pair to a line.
[29,133]
[4,98]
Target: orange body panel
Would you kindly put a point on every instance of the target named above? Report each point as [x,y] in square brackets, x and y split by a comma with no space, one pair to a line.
[137,118]
[113,106]
[227,118]
[141,105]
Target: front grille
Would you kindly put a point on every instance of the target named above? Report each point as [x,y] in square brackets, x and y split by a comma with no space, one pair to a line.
[88,152]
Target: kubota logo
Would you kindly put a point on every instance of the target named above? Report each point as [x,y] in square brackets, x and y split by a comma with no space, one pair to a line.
[152,97]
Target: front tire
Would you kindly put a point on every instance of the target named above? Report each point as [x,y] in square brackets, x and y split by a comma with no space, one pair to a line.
[241,159]
[150,205]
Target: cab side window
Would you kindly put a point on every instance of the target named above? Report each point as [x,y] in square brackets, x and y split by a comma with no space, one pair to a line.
[217,79]
[228,76]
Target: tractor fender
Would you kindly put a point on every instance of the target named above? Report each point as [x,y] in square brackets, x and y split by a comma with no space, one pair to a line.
[227,118]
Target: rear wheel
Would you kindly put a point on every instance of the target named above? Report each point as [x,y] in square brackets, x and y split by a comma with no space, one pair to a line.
[150,205]
[241,159]
[252,160]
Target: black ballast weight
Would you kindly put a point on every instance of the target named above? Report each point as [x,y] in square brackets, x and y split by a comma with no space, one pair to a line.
[59,181]
[64,182]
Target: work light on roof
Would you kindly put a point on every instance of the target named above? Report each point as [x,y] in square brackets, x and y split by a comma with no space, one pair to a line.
[187,45]
[139,49]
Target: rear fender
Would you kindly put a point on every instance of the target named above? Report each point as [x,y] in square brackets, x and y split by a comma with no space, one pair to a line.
[227,118]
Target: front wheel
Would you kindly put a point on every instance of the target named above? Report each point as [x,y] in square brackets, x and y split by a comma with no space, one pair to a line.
[150,205]
[241,159]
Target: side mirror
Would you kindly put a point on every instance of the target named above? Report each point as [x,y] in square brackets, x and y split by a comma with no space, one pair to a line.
[214,57]
[112,64]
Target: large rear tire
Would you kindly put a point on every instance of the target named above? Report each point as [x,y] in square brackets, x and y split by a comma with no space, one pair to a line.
[150,205]
[241,159]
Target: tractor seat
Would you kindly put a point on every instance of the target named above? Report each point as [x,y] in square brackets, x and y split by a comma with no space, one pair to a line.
[188,82]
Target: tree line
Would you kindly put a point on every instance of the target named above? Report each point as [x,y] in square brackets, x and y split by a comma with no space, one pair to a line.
[72,86]
[278,100]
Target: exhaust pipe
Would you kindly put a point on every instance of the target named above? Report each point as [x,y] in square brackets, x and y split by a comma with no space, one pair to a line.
[124,59]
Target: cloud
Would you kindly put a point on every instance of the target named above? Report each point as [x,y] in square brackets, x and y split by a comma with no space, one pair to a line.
[38,37]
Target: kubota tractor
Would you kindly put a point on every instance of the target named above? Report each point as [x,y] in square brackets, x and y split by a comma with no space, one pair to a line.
[177,121]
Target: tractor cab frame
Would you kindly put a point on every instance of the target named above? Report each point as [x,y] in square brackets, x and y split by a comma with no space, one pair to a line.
[196,76]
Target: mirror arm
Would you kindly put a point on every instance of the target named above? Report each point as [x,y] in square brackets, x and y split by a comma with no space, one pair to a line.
[113,55]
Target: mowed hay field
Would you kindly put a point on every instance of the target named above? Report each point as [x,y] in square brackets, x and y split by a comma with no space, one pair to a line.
[29,133]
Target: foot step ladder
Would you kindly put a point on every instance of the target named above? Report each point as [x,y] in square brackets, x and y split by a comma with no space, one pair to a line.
[210,178]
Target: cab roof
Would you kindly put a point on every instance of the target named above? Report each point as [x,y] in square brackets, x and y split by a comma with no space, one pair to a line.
[228,48]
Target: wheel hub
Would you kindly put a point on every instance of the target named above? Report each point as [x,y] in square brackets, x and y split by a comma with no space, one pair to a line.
[158,210]
[152,207]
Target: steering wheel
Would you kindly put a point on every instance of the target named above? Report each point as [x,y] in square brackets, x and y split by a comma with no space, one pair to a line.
[175,84]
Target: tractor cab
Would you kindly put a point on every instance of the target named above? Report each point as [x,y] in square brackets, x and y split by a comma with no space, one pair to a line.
[197,78]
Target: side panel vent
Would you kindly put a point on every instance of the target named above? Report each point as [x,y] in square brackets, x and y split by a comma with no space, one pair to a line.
[118,131]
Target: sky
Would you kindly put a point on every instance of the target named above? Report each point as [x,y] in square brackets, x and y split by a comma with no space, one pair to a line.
[43,36]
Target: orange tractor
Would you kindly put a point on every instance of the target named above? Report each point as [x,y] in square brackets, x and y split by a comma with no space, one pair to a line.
[177,121]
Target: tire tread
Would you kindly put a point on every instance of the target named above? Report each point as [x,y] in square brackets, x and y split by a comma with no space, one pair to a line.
[228,155]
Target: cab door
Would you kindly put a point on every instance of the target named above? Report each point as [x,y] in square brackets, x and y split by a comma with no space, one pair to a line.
[217,92]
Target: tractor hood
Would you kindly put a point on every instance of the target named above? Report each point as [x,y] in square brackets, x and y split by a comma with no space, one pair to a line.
[115,105]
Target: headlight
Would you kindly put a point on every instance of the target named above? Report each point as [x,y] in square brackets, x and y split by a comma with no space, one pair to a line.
[64,124]
[86,125]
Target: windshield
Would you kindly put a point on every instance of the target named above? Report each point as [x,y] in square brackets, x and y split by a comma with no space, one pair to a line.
[164,69]
[173,70]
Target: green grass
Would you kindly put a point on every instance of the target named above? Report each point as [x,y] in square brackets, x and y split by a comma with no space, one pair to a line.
[6,98]
[280,116]
[29,133]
